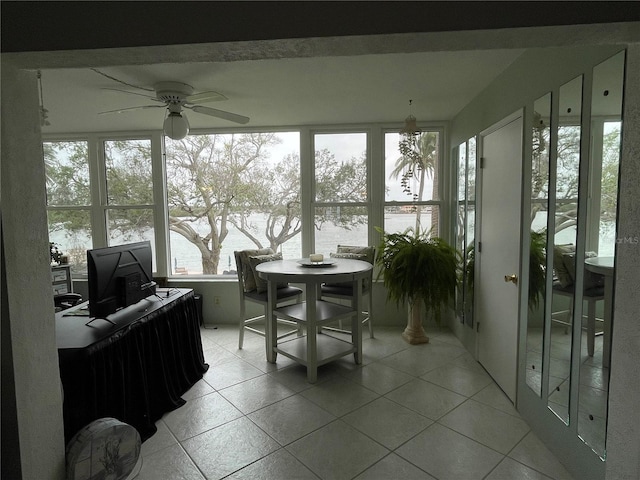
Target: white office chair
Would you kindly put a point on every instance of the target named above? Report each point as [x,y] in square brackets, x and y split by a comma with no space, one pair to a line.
[344,291]
[254,290]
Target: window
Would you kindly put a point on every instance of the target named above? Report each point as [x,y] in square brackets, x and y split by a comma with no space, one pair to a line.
[69,199]
[228,191]
[231,192]
[129,191]
[88,209]
[341,209]
[411,184]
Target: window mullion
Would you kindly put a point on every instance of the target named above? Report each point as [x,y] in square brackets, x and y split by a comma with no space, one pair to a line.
[307,189]
[160,206]
[98,192]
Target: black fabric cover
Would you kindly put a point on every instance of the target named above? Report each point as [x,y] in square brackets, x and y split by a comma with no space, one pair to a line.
[138,373]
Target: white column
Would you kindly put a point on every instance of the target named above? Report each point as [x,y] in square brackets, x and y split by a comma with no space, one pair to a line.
[623,430]
[29,355]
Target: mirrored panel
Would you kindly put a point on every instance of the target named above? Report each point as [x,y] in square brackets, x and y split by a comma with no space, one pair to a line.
[470,229]
[465,227]
[540,137]
[563,297]
[606,111]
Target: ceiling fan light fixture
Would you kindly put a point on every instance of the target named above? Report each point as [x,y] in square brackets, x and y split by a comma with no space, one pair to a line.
[176,126]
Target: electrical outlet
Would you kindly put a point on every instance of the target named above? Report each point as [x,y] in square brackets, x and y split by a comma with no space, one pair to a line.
[216,300]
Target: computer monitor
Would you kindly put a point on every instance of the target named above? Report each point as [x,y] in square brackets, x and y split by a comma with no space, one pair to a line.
[119,276]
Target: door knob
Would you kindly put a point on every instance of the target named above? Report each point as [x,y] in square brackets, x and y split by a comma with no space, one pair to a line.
[511,278]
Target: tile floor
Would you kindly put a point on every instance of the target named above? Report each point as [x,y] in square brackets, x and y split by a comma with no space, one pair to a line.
[409,412]
[594,382]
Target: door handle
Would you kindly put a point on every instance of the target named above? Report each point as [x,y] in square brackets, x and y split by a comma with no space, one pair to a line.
[511,278]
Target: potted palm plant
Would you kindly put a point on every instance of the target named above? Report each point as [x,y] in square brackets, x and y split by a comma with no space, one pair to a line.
[418,270]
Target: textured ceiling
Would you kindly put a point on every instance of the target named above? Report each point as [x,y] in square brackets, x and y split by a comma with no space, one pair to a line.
[280,92]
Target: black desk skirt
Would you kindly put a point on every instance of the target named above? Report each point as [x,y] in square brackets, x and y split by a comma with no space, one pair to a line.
[136,374]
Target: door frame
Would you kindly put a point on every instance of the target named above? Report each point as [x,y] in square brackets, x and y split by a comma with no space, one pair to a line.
[518,114]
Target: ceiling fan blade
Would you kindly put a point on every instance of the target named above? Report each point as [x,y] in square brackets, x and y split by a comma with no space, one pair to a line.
[214,112]
[121,82]
[121,110]
[152,97]
[204,97]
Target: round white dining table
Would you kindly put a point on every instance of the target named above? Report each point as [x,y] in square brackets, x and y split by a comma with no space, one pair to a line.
[604,266]
[314,312]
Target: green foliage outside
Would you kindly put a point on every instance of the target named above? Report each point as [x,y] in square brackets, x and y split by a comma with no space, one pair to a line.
[418,161]
[213,180]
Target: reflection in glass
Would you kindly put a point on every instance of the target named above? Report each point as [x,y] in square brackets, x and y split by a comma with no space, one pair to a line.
[606,109]
[564,228]
[540,136]
[465,227]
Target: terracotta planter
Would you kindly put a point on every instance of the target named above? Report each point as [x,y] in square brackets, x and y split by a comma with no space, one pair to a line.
[414,334]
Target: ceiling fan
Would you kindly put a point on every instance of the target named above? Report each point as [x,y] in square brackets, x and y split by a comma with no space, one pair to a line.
[174,97]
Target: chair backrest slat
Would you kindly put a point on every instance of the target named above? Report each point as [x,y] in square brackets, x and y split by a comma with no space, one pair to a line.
[239,270]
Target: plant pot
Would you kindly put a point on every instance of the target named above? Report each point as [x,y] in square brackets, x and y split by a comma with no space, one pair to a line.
[414,334]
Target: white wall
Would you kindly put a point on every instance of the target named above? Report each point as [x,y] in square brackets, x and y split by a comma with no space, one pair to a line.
[534,73]
[28,316]
[623,430]
[531,76]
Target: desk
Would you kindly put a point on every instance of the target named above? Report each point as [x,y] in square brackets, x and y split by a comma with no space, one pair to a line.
[314,312]
[134,370]
[604,266]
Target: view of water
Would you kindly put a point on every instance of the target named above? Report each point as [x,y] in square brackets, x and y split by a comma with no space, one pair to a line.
[185,255]
[186,259]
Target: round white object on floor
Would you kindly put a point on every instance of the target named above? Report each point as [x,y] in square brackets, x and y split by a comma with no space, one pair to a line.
[105,449]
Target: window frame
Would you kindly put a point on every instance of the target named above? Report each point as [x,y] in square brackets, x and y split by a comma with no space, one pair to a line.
[314,204]
[443,175]
[99,207]
[376,182]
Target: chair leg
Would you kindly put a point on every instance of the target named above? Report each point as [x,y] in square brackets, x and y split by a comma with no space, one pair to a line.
[370,313]
[591,326]
[241,324]
[569,317]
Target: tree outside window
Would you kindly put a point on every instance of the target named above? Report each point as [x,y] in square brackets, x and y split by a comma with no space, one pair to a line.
[411,193]
[231,192]
[129,191]
[341,209]
[69,199]
[127,210]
